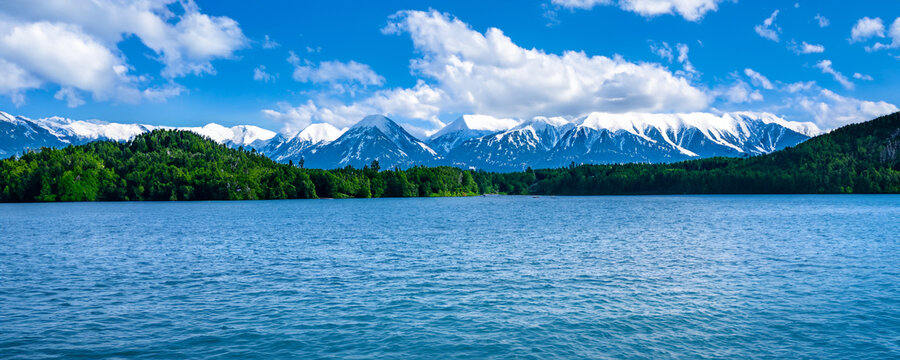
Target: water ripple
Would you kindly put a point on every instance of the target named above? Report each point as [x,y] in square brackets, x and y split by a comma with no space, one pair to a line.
[496,277]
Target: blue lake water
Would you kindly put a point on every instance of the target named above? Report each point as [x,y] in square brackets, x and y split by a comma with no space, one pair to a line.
[485,277]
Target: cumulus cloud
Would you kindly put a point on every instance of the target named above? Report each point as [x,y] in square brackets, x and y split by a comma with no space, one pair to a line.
[866,28]
[823,21]
[830,110]
[740,92]
[758,79]
[768,29]
[807,48]
[825,66]
[488,73]
[70,96]
[806,101]
[161,93]
[64,55]
[692,10]
[335,72]
[14,81]
[461,70]
[893,33]
[78,50]
[419,102]
[260,74]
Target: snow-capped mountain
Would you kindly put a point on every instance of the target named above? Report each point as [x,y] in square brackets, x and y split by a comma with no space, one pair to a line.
[619,138]
[241,135]
[19,134]
[302,144]
[602,138]
[524,145]
[471,141]
[375,137]
[467,127]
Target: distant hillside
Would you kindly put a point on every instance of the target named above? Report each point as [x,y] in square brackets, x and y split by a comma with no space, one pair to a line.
[180,165]
[471,142]
[858,158]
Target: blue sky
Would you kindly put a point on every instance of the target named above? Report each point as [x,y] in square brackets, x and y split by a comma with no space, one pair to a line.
[285,64]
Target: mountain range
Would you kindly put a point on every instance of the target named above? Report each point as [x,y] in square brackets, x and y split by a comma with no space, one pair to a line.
[471,141]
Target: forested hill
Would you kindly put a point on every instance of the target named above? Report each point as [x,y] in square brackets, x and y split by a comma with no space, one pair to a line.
[179,165]
[858,158]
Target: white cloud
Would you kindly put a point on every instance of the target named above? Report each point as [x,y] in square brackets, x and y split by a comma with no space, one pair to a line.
[70,96]
[260,74]
[682,53]
[862,77]
[806,101]
[823,21]
[758,79]
[799,86]
[894,34]
[688,69]
[866,28]
[831,110]
[825,65]
[692,10]
[807,48]
[163,92]
[14,80]
[464,71]
[63,54]
[768,29]
[268,43]
[419,102]
[185,43]
[336,72]
[662,50]
[740,92]
[489,74]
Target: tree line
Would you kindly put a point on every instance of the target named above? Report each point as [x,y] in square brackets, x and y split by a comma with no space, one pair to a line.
[180,165]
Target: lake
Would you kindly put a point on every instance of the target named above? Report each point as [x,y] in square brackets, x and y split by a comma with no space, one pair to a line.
[482,277]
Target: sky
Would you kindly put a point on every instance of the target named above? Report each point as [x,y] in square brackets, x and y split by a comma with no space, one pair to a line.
[283,65]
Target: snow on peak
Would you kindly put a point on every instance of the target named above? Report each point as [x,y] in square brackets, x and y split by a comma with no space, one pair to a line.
[804,127]
[237,135]
[711,124]
[476,122]
[319,133]
[10,119]
[542,122]
[92,129]
[379,122]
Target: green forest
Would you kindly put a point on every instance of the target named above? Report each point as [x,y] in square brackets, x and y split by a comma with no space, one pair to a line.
[180,165]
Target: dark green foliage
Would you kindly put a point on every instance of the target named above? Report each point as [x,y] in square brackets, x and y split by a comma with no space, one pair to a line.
[176,165]
[859,158]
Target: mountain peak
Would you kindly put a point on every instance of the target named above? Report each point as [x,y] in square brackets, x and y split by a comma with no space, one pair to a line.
[542,122]
[476,122]
[238,135]
[380,122]
[318,133]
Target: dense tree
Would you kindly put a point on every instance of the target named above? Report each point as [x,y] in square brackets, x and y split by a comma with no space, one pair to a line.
[178,165]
